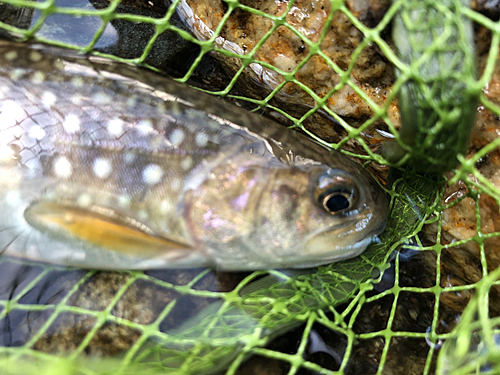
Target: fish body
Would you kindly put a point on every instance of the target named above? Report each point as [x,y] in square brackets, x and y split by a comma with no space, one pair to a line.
[108,166]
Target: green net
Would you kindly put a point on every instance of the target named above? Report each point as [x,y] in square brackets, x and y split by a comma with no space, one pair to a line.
[473,347]
[326,68]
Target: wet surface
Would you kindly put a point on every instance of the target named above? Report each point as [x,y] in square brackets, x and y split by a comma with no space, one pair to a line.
[16,278]
[127,39]
[91,305]
[52,288]
[18,326]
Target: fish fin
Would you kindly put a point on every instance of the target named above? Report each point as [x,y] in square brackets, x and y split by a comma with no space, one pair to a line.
[100,227]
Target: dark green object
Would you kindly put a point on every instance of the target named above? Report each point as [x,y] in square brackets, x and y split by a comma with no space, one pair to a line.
[439,97]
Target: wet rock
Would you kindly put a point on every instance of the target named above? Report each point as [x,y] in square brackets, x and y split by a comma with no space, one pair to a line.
[100,313]
[369,72]
[490,8]
[243,33]
[170,52]
[124,38]
[15,16]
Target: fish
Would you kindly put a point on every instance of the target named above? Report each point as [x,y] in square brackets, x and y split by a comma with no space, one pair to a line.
[105,165]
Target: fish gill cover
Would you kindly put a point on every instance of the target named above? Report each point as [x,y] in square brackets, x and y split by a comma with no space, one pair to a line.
[326,67]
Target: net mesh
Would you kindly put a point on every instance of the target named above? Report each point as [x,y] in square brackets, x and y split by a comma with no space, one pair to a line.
[387,311]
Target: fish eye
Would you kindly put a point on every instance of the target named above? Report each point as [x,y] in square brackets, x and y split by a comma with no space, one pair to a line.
[336,201]
[335,192]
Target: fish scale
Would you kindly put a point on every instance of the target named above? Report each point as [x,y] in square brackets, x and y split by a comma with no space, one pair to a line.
[109,166]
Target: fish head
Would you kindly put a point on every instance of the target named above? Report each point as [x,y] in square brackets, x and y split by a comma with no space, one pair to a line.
[255,213]
[345,212]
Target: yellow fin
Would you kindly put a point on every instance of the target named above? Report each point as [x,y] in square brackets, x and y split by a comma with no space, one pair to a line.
[100,227]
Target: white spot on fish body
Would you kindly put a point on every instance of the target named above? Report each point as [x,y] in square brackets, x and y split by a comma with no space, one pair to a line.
[102,168]
[176,137]
[187,162]
[50,195]
[77,82]
[37,132]
[132,101]
[129,157]
[35,56]
[161,108]
[84,200]
[12,113]
[165,206]
[201,139]
[49,98]
[13,198]
[10,56]
[37,78]
[145,126]
[16,74]
[62,167]
[115,127]
[6,153]
[59,65]
[152,174]
[124,200]
[143,215]
[71,123]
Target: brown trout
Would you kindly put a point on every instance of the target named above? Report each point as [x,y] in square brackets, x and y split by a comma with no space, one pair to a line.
[108,166]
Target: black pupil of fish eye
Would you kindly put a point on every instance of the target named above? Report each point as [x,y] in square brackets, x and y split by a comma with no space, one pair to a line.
[336,202]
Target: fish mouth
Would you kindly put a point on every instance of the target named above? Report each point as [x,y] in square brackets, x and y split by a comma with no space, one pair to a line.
[335,243]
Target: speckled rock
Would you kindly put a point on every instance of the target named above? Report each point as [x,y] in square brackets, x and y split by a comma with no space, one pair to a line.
[362,64]
[285,50]
[98,313]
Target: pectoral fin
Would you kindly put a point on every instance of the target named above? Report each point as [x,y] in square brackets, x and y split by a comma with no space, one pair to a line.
[99,227]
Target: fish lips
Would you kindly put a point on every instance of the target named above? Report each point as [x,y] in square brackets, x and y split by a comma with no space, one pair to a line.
[327,246]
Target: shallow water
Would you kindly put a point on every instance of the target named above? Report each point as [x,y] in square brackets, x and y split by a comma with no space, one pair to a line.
[67,304]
